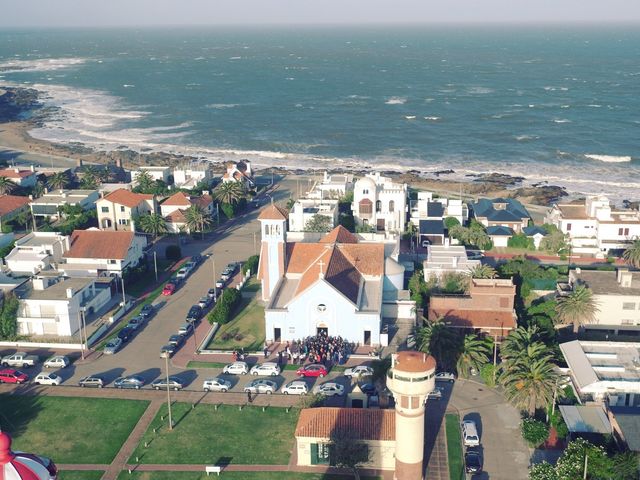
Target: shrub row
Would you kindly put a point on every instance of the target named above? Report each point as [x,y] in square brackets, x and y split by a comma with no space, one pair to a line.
[225,306]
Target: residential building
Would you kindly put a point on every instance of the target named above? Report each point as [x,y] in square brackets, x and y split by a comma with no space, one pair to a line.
[97,253]
[501,212]
[21,177]
[380,203]
[426,207]
[604,371]
[191,175]
[11,206]
[36,252]
[443,259]
[616,294]
[536,233]
[500,235]
[48,205]
[333,186]
[105,173]
[239,172]
[161,173]
[595,226]
[173,210]
[431,232]
[117,210]
[626,427]
[487,308]
[53,306]
[306,208]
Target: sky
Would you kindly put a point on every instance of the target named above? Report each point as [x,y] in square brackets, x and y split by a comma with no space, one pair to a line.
[92,13]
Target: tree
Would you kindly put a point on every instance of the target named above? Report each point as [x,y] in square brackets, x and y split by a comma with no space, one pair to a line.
[6,186]
[474,353]
[554,242]
[450,222]
[58,181]
[520,240]
[417,288]
[229,192]
[153,223]
[518,341]
[347,451]
[436,339]
[89,181]
[365,228]
[251,265]
[543,471]
[572,462]
[9,316]
[144,180]
[318,223]
[197,219]
[483,271]
[534,431]
[632,254]
[38,189]
[452,282]
[577,308]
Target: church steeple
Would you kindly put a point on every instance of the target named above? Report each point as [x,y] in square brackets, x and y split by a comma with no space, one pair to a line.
[273,232]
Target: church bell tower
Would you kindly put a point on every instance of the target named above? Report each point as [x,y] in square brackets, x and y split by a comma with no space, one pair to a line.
[273,234]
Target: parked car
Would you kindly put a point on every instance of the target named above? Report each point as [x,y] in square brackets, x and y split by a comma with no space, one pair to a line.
[261,385]
[175,383]
[236,368]
[147,311]
[470,437]
[211,293]
[112,346]
[216,385]
[132,381]
[168,350]
[358,371]
[126,333]
[445,377]
[190,265]
[47,379]
[220,283]
[197,259]
[426,243]
[367,388]
[9,375]
[19,359]
[182,273]
[314,370]
[168,289]
[176,340]
[473,460]
[91,381]
[57,361]
[297,387]
[205,302]
[435,394]
[185,329]
[195,314]
[136,322]
[329,389]
[267,368]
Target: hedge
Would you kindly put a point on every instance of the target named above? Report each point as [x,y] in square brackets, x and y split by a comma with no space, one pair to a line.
[225,306]
[251,265]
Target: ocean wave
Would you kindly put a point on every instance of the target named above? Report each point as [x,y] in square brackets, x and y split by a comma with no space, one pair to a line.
[396,101]
[479,90]
[221,106]
[410,117]
[609,158]
[561,120]
[40,65]
[433,118]
[527,138]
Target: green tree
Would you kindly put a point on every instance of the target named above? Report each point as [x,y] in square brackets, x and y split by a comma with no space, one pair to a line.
[9,317]
[554,242]
[483,271]
[144,180]
[38,189]
[417,288]
[318,223]
[450,222]
[452,282]
[518,341]
[365,228]
[571,464]
[197,219]
[534,431]
[251,265]
[577,308]
[543,471]
[520,240]
[632,254]
[474,353]
[436,339]
[348,451]
[6,186]
[229,192]
[152,223]
[89,181]
[58,181]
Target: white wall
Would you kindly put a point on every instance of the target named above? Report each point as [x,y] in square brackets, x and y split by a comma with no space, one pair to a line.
[612,313]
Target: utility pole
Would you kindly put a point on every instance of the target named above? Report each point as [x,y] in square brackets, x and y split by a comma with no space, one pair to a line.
[215,289]
[84,328]
[166,364]
[124,298]
[495,357]
[255,247]
[155,264]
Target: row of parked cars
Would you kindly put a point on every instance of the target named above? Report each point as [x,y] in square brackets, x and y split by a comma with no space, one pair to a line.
[11,375]
[181,275]
[134,325]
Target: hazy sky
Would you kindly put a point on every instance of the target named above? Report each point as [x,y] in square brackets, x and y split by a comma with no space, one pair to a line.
[233,12]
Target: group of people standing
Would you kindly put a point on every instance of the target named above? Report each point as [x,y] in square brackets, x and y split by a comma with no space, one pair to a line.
[320,348]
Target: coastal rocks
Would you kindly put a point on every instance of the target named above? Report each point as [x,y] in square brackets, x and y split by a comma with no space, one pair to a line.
[540,195]
[500,180]
[16,102]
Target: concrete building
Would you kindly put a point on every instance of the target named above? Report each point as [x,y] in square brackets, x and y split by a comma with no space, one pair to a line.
[604,371]
[239,172]
[26,178]
[11,206]
[306,208]
[173,210]
[380,203]
[117,209]
[191,175]
[426,207]
[36,252]
[595,227]
[501,212]
[161,173]
[332,186]
[442,259]
[49,204]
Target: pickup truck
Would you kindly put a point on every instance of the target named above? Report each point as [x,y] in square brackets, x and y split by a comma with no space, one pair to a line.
[19,359]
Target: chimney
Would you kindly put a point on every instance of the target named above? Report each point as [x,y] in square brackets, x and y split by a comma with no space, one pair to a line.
[70,292]
[33,169]
[620,273]
[455,262]
[79,162]
[17,170]
[446,242]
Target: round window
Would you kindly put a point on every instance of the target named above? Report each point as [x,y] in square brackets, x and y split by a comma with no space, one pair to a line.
[321,308]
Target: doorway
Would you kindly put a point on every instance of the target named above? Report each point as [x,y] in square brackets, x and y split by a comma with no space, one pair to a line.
[322,331]
[367,337]
[380,224]
[277,334]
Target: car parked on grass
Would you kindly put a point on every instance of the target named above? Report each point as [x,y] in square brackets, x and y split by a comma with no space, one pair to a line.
[112,346]
[9,375]
[267,368]
[126,334]
[169,289]
[95,381]
[261,385]
[236,368]
[297,387]
[445,377]
[132,381]
[473,460]
[435,394]
[194,314]
[47,379]
[175,383]
[185,329]
[216,384]
[358,371]
[57,361]
[329,389]
[313,370]
[470,437]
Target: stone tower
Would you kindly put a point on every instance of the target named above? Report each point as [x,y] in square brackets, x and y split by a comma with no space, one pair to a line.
[410,379]
[273,232]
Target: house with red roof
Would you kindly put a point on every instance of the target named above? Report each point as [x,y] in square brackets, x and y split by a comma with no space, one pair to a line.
[22,177]
[173,209]
[117,210]
[239,172]
[11,206]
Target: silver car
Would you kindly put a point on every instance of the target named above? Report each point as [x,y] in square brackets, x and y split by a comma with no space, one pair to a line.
[59,361]
[267,368]
[261,385]
[236,368]
[216,385]
[329,389]
[359,371]
[112,346]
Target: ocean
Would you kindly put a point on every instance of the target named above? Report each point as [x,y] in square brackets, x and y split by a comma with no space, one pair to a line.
[559,105]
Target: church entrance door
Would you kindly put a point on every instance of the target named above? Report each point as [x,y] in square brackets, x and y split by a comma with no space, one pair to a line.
[367,337]
[323,331]
[277,335]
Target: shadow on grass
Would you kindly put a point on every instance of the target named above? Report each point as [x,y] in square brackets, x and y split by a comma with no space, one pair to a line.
[16,412]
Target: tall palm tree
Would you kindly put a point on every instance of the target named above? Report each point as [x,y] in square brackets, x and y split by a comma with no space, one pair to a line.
[577,308]
[89,182]
[58,181]
[229,192]
[104,174]
[38,189]
[483,271]
[144,180]
[436,339]
[518,341]
[474,353]
[153,223]
[632,254]
[197,219]
[6,185]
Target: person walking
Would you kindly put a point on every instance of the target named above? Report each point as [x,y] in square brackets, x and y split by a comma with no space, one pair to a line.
[249,399]
[266,351]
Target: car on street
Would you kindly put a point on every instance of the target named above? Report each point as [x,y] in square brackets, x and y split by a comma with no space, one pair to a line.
[95,381]
[297,387]
[329,389]
[236,368]
[9,375]
[132,381]
[267,368]
[470,437]
[185,329]
[126,334]
[445,377]
[57,361]
[211,293]
[216,384]
[474,255]
[47,379]
[182,273]
[19,359]
[205,302]
[220,283]
[229,271]
[168,289]
[168,350]
[136,322]
[473,460]
[112,346]
[147,311]
[261,385]
[176,340]
[195,314]
[358,371]
[190,265]
[175,383]
[313,370]
[435,394]
[197,259]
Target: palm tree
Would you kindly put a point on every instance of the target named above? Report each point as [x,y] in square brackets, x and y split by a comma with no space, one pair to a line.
[153,223]
[577,308]
[436,339]
[483,271]
[229,192]
[518,341]
[144,180]
[104,174]
[38,189]
[6,185]
[632,254]
[474,353]
[89,182]
[197,219]
[58,181]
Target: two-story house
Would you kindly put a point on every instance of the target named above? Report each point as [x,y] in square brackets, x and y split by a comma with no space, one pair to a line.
[191,175]
[306,208]
[380,203]
[239,172]
[21,177]
[36,252]
[173,210]
[117,210]
[426,207]
[501,212]
[49,204]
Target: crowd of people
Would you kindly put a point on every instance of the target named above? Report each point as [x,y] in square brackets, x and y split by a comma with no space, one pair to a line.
[320,348]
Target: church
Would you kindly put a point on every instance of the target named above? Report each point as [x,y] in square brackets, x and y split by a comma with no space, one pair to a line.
[338,284]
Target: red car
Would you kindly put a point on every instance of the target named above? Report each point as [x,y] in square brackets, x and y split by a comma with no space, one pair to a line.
[315,370]
[9,375]
[168,289]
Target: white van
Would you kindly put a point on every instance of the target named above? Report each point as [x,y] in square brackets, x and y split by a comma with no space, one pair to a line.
[470,436]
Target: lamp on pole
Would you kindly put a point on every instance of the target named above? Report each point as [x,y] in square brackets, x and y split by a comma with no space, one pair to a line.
[124,298]
[84,328]
[215,289]
[155,264]
[166,365]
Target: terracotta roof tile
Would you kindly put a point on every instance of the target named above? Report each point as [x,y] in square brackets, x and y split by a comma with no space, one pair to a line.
[409,361]
[177,199]
[362,423]
[343,275]
[273,212]
[11,203]
[177,216]
[11,173]
[127,197]
[203,201]
[99,244]
[474,318]
[339,235]
[368,258]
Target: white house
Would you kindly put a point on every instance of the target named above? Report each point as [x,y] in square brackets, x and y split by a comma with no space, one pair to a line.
[190,176]
[595,227]
[332,186]
[117,209]
[428,208]
[173,209]
[37,251]
[96,253]
[442,259]
[21,177]
[156,173]
[306,208]
[48,205]
[52,306]
[239,172]
[380,203]
[604,371]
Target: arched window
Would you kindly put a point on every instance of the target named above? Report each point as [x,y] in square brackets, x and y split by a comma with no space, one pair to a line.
[378,206]
[392,205]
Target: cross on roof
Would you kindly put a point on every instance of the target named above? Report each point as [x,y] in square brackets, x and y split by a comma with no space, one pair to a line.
[321,263]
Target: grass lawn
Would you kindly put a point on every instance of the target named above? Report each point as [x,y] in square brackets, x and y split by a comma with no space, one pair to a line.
[86,430]
[249,322]
[454,446]
[80,474]
[204,435]
[233,476]
[252,286]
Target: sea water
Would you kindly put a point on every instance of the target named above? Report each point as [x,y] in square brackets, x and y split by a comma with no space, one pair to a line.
[552,104]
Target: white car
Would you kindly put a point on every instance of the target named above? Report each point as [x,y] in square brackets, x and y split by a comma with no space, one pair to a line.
[267,368]
[236,368]
[445,377]
[59,361]
[216,385]
[182,273]
[261,385]
[359,371]
[297,387]
[329,389]
[470,437]
[47,379]
[435,394]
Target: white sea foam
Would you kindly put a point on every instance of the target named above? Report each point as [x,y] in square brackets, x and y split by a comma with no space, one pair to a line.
[527,138]
[609,158]
[396,101]
[432,119]
[221,106]
[561,120]
[410,117]
[128,85]
[40,65]
[479,90]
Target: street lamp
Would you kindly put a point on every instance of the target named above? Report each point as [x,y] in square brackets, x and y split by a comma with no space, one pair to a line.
[166,365]
[155,264]
[215,289]
[84,328]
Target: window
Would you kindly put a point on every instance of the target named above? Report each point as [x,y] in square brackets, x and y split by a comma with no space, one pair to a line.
[392,205]
[123,221]
[568,227]
[122,208]
[104,209]
[623,231]
[112,262]
[365,207]
[628,306]
[365,191]
[321,308]
[378,206]
[626,322]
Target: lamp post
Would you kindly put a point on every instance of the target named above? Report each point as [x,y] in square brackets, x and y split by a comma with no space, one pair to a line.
[124,298]
[155,264]
[215,289]
[166,365]
[84,328]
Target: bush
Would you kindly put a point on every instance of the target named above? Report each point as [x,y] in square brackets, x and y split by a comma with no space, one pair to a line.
[228,210]
[520,240]
[451,222]
[225,306]
[251,265]
[534,431]
[486,373]
[173,252]
[4,251]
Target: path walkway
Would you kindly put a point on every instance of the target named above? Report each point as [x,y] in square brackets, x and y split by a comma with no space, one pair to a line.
[438,466]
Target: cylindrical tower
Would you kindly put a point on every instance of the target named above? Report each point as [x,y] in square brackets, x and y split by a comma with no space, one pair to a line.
[410,379]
